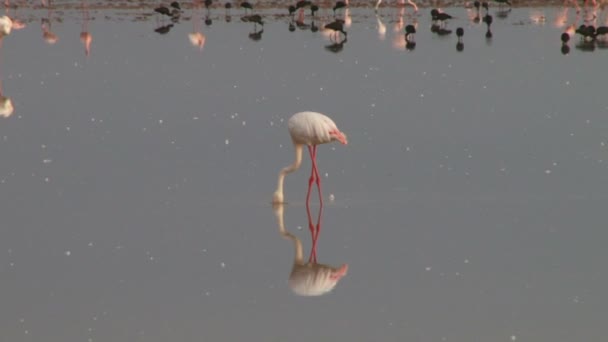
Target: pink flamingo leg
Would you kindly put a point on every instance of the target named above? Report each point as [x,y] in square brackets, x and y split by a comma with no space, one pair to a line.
[312,174]
[315,177]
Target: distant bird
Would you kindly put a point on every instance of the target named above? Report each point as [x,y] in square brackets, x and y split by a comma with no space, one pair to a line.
[256,19]
[303,3]
[208,3]
[163,29]
[410,30]
[460,33]
[246,5]
[313,9]
[292,10]
[485,5]
[439,16]
[336,26]
[339,5]
[163,10]
[601,30]
[565,37]
[488,19]
[476,4]
[175,5]
[228,6]
[310,129]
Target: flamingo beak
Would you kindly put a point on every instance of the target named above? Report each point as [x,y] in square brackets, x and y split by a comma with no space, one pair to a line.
[339,273]
[340,136]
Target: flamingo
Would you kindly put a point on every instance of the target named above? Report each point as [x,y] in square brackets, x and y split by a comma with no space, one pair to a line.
[309,278]
[310,129]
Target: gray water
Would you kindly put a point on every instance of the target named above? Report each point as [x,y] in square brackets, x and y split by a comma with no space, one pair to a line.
[136,181]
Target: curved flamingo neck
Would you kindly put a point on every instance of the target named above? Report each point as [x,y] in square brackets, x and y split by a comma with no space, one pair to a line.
[278,194]
[299,254]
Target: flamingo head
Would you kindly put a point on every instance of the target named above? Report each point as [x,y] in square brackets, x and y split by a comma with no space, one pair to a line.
[335,134]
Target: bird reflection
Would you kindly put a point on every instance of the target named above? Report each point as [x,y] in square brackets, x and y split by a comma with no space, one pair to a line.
[85,36]
[47,34]
[336,47]
[309,278]
[163,29]
[197,38]
[6,105]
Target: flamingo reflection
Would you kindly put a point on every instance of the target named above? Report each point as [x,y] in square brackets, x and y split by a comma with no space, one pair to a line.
[85,36]
[47,33]
[309,278]
[197,38]
[6,105]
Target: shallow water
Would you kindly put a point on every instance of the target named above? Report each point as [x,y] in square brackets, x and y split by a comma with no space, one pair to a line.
[136,180]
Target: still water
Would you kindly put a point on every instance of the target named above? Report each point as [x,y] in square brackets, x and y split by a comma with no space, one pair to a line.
[137,171]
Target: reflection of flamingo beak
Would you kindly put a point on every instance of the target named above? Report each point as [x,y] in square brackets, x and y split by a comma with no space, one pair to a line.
[339,273]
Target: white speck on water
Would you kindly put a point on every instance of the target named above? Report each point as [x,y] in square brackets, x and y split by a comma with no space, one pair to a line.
[554,163]
[26,332]
[244,123]
[67,128]
[223,265]
[603,143]
[46,161]
[12,264]
[407,148]
[576,299]
[548,172]
[421,95]
[68,253]
[47,179]
[567,82]
[326,174]
[195,118]
[271,123]
[43,146]
[428,268]
[588,121]
[332,197]
[321,89]
[22,320]
[90,244]
[227,141]
[160,121]
[207,293]
[470,156]
[513,338]
[373,105]
[204,250]
[299,227]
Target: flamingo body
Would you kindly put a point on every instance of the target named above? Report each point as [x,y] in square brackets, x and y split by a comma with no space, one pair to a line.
[310,129]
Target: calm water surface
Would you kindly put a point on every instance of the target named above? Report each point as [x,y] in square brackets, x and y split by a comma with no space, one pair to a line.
[135,181]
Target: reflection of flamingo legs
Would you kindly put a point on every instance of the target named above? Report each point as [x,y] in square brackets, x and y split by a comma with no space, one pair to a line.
[314,232]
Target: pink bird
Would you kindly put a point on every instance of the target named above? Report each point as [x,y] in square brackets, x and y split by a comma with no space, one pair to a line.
[310,129]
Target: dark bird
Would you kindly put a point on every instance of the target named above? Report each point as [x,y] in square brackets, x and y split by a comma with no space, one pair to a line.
[601,30]
[163,10]
[246,5]
[313,9]
[228,6]
[208,20]
[292,10]
[410,30]
[460,33]
[565,37]
[338,5]
[254,18]
[476,4]
[439,16]
[163,29]
[488,19]
[302,4]
[175,5]
[485,5]
[336,26]
[208,3]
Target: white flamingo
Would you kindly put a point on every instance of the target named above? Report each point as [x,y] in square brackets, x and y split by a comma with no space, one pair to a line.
[310,129]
